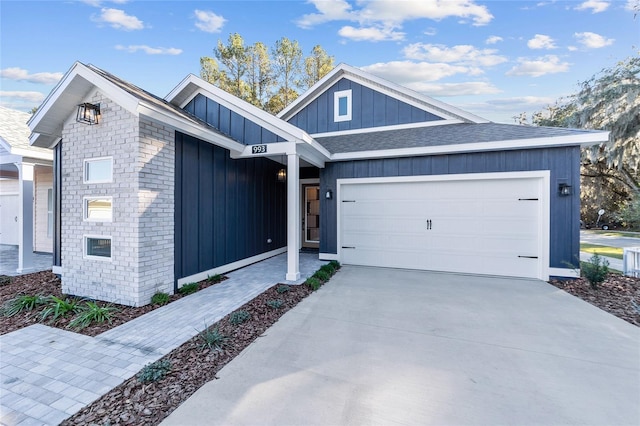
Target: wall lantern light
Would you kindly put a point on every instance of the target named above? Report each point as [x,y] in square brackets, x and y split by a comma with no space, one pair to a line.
[564,189]
[329,194]
[281,176]
[88,113]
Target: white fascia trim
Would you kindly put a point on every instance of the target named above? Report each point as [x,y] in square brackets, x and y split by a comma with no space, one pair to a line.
[328,256]
[251,112]
[229,267]
[10,159]
[185,126]
[387,128]
[581,140]
[564,272]
[276,148]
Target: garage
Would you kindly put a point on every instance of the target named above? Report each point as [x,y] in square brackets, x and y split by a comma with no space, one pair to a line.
[493,224]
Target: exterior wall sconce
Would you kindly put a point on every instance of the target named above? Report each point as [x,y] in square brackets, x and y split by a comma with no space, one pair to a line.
[329,194]
[281,176]
[564,189]
[88,113]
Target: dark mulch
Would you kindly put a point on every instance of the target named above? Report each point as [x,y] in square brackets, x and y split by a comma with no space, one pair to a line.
[47,284]
[614,295]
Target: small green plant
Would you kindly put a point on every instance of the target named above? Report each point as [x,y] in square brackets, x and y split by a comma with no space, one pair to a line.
[23,302]
[160,298]
[283,288]
[328,268]
[595,270]
[275,303]
[154,371]
[59,308]
[335,264]
[322,275]
[188,288]
[313,283]
[212,339]
[238,317]
[5,280]
[214,278]
[91,312]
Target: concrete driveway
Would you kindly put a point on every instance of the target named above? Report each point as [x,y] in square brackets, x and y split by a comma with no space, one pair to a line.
[384,346]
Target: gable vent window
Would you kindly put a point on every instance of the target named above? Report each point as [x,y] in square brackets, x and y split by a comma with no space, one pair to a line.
[342,106]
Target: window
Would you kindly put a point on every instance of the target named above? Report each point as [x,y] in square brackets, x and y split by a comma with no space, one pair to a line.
[342,106]
[98,209]
[50,213]
[97,247]
[98,170]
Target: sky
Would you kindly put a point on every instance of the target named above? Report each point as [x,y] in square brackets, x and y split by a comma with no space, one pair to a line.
[496,59]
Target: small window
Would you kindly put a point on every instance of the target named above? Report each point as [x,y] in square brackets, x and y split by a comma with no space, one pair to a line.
[97,247]
[342,106]
[98,209]
[50,213]
[98,170]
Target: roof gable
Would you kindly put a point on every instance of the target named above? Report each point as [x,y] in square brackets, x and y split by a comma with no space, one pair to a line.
[14,135]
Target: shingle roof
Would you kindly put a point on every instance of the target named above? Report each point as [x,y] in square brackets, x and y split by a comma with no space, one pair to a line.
[433,136]
[15,132]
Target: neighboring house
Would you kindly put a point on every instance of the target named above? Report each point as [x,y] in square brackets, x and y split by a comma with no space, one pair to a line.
[26,190]
[161,192]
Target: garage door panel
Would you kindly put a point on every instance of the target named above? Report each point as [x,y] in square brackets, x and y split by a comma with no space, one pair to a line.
[471,226]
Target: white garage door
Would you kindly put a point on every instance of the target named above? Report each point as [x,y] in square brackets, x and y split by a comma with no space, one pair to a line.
[487,226]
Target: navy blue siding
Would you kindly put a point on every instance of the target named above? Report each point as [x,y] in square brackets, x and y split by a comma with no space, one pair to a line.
[370,108]
[225,209]
[230,123]
[564,164]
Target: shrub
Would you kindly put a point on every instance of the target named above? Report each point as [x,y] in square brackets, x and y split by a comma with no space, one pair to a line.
[160,298]
[5,279]
[313,283]
[23,302]
[154,371]
[238,317]
[60,307]
[595,270]
[91,312]
[328,268]
[283,288]
[212,339]
[322,275]
[188,288]
[335,264]
[275,303]
[214,278]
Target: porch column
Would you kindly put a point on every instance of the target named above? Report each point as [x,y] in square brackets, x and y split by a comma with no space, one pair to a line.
[25,219]
[293,217]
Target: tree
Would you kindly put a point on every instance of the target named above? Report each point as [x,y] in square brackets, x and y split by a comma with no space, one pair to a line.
[259,74]
[610,100]
[317,65]
[235,58]
[287,64]
[210,72]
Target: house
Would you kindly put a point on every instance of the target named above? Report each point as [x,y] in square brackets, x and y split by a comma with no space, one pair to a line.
[152,193]
[26,190]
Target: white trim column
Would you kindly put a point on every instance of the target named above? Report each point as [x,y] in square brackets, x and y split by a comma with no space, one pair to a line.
[25,218]
[293,217]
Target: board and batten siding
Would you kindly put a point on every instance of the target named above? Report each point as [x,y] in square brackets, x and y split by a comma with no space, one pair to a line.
[226,210]
[370,108]
[563,163]
[229,122]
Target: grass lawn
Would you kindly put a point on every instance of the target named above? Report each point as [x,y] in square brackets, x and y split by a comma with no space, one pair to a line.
[616,233]
[615,252]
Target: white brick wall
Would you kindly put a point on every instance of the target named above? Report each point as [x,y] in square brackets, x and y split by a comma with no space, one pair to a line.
[142,189]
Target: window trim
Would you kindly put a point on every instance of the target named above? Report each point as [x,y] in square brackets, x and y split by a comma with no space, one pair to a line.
[85,240]
[85,173]
[336,105]
[85,208]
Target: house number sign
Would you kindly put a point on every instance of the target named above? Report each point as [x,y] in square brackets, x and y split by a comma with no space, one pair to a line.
[258,149]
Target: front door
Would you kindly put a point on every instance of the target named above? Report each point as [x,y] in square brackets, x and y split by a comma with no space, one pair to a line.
[310,216]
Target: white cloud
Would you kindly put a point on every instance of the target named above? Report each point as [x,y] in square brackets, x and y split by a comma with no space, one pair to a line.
[208,21]
[329,10]
[632,5]
[593,40]
[406,72]
[370,34]
[493,40]
[522,102]
[35,97]
[119,20]
[541,41]
[98,3]
[596,6]
[430,31]
[20,74]
[454,89]
[460,54]
[150,50]
[549,64]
